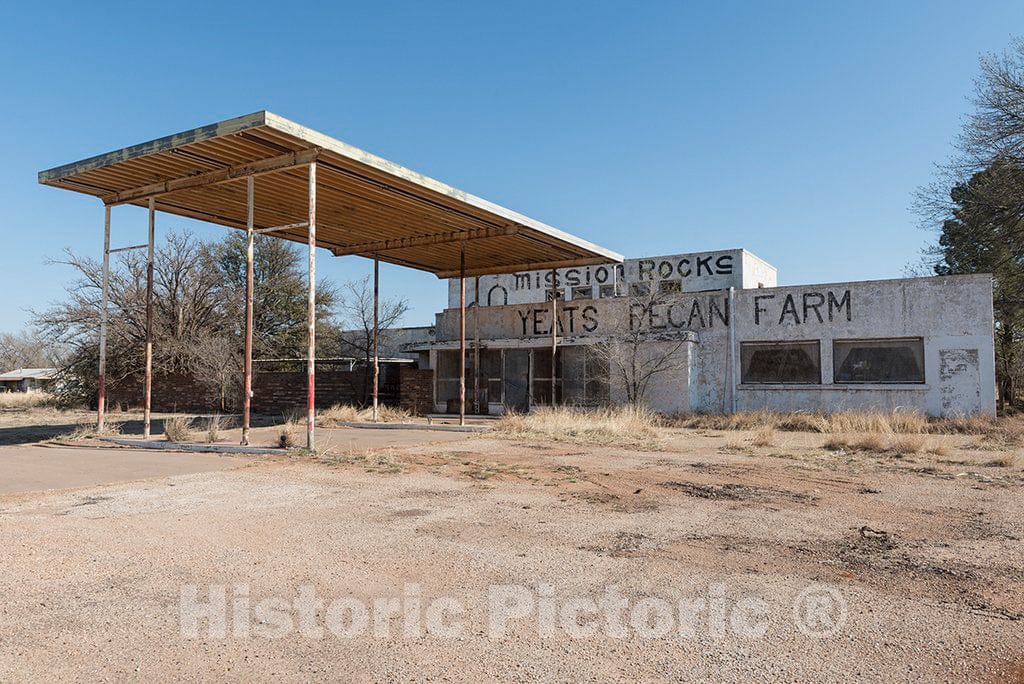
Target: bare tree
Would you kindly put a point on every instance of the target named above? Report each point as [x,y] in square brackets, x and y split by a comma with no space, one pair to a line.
[355,313]
[636,349]
[26,349]
[198,313]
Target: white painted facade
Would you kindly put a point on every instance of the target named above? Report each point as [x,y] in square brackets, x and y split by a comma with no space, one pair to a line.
[922,344]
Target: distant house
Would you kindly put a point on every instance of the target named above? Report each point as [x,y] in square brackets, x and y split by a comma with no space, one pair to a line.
[27,379]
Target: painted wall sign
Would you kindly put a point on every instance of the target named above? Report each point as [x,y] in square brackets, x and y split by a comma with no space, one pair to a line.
[695,272]
[805,307]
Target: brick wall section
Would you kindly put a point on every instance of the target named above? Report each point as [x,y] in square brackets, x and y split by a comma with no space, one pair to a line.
[416,393]
[170,393]
[285,391]
[279,392]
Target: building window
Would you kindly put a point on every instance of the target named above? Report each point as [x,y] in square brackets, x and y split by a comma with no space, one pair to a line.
[781,362]
[583,292]
[610,290]
[670,286]
[559,295]
[879,361]
[639,289]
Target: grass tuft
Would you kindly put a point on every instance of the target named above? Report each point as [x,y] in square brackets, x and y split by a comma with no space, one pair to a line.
[214,425]
[765,437]
[178,428]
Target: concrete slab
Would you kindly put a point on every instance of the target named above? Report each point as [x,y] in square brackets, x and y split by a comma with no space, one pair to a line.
[35,468]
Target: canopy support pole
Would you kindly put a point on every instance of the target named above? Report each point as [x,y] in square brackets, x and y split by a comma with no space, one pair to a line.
[376,335]
[462,333]
[148,389]
[247,363]
[101,398]
[311,315]
[476,346]
[554,330]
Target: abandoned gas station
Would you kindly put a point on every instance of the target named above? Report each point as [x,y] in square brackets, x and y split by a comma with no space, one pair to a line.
[536,315]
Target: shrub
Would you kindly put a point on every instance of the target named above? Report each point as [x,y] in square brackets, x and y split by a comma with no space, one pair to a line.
[765,437]
[177,428]
[214,425]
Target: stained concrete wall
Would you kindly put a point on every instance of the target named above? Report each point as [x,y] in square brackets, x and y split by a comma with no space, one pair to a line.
[952,315]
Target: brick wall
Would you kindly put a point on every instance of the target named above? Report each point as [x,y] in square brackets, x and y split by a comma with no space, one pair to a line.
[278,392]
[416,389]
[172,392]
[285,391]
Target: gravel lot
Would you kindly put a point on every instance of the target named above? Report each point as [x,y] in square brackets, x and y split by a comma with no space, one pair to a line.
[924,552]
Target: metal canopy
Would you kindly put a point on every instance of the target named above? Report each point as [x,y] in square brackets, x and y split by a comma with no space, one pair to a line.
[366,205]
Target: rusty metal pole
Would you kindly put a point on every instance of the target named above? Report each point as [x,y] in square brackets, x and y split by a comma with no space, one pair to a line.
[311,314]
[101,398]
[376,335]
[476,346]
[247,363]
[462,333]
[554,330]
[148,390]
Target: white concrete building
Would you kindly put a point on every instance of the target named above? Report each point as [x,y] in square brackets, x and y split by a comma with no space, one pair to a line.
[724,337]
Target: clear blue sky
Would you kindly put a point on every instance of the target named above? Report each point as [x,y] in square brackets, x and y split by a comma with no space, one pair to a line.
[796,130]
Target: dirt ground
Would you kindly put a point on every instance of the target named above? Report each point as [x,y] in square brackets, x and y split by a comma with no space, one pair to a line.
[924,552]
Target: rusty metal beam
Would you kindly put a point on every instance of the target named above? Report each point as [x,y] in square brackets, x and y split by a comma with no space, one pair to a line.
[476,346]
[462,333]
[311,315]
[215,177]
[101,393]
[148,388]
[425,240]
[376,335]
[554,330]
[247,362]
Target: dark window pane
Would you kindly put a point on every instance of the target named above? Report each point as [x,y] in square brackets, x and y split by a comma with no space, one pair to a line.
[798,362]
[639,289]
[583,292]
[881,361]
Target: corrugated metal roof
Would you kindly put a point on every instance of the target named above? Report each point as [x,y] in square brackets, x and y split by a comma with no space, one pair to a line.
[362,200]
[29,373]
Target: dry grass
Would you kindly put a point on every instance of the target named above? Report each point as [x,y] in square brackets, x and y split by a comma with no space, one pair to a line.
[214,425]
[87,430]
[765,437]
[373,460]
[1004,461]
[897,446]
[178,429]
[286,434]
[1006,431]
[346,413]
[22,401]
[619,426]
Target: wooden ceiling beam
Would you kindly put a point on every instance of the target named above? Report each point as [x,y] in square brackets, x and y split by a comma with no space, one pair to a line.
[516,268]
[370,248]
[214,177]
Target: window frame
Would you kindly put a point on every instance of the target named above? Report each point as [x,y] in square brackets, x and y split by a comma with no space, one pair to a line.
[835,366]
[576,289]
[781,343]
